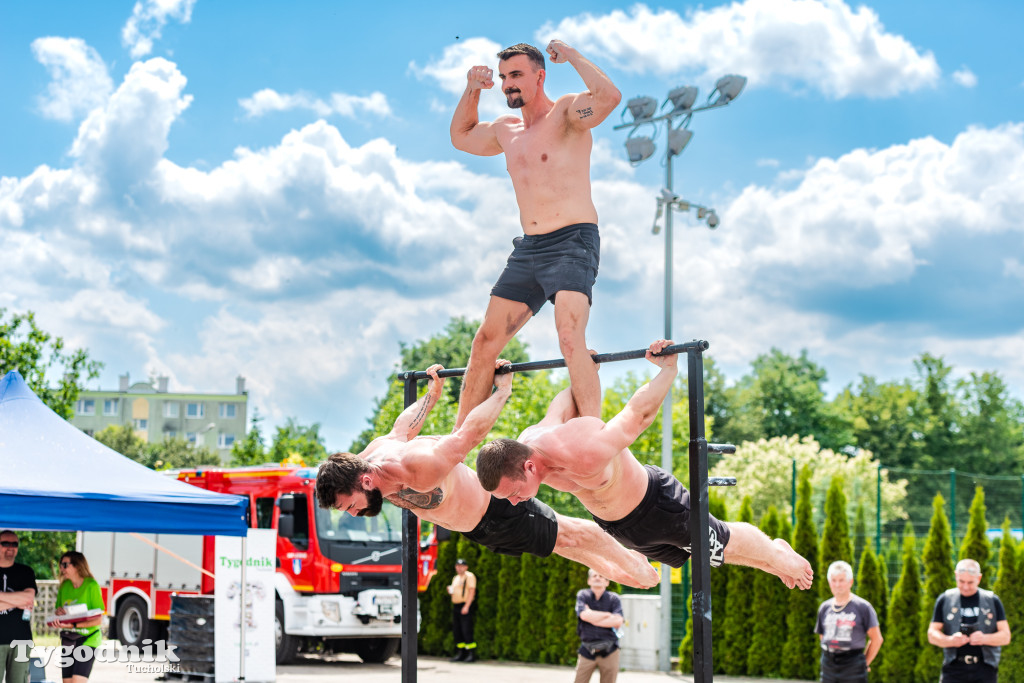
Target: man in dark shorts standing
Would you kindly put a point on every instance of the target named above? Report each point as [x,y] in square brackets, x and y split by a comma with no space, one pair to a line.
[641,506]
[969,624]
[547,154]
[426,474]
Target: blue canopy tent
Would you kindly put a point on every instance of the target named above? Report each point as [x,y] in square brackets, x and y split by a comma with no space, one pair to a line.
[54,477]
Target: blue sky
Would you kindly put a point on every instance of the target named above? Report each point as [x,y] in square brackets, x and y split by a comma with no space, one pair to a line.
[202,190]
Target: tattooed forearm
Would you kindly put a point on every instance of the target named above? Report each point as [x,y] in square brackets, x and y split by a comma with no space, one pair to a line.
[424,501]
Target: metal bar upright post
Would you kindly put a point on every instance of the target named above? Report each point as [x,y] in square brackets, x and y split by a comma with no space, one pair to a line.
[410,568]
[700,552]
[665,588]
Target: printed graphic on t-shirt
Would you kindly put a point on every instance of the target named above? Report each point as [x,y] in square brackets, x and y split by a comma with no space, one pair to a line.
[839,628]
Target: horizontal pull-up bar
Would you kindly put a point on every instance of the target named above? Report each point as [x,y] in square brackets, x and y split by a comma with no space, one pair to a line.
[696,345]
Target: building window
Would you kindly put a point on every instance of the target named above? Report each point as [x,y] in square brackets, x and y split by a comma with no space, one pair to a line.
[170,434]
[140,424]
[225,440]
[111,405]
[195,410]
[171,409]
[85,406]
[190,437]
[227,410]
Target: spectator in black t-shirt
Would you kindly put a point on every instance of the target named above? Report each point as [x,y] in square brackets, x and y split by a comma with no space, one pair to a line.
[599,613]
[17,594]
[970,625]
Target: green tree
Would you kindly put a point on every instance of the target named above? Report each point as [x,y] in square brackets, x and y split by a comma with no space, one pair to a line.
[559,615]
[975,544]
[783,396]
[990,438]
[937,566]
[768,635]
[873,586]
[835,536]
[764,471]
[508,616]
[887,418]
[124,440]
[860,533]
[54,373]
[252,450]
[168,454]
[940,410]
[488,597]
[801,616]
[42,549]
[532,573]
[436,637]
[451,349]
[1010,587]
[733,649]
[296,441]
[903,641]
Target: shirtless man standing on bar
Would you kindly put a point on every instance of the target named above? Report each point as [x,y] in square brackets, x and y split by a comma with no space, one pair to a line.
[547,153]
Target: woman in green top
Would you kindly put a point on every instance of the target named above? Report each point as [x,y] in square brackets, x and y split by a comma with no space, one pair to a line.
[83,637]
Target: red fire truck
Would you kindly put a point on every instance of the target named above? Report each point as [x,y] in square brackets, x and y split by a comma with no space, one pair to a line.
[338,580]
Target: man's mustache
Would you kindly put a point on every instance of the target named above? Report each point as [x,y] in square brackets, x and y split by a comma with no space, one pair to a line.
[512,91]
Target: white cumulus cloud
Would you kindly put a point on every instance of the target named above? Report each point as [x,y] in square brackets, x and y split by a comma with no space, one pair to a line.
[450,69]
[79,78]
[148,20]
[965,77]
[268,100]
[821,45]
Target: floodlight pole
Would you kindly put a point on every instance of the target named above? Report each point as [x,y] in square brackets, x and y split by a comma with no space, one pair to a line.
[700,588]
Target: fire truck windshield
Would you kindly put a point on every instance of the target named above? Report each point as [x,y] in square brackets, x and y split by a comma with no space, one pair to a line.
[335,525]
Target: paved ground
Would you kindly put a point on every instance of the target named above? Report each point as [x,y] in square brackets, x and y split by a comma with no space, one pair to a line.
[429,670]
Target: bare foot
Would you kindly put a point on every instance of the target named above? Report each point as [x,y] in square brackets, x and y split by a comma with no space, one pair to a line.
[791,567]
[642,572]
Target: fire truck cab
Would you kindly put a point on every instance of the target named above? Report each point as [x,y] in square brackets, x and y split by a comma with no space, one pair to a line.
[338,579]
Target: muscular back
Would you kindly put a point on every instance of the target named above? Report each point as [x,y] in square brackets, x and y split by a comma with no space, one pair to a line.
[549,164]
[456,501]
[610,482]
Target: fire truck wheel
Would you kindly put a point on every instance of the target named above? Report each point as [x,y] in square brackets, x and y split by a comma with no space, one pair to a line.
[377,650]
[287,645]
[133,623]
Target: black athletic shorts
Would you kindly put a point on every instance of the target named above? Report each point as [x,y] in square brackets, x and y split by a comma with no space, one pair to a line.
[659,527]
[540,266]
[80,665]
[507,529]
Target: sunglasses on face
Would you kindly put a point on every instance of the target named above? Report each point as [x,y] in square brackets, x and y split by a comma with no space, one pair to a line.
[9,544]
[65,565]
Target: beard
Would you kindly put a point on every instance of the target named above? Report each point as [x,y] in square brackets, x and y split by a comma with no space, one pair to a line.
[515,99]
[374,503]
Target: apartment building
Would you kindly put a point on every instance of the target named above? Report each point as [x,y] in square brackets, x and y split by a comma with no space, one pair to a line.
[212,420]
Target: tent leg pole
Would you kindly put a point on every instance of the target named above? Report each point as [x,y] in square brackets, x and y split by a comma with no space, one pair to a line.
[244,592]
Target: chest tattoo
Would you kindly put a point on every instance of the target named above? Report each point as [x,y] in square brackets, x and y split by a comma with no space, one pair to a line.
[407,498]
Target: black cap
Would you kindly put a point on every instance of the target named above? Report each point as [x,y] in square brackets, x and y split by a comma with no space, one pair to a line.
[461,561]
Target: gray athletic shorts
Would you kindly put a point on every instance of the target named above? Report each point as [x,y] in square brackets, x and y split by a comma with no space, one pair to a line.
[544,265]
[659,527]
[507,529]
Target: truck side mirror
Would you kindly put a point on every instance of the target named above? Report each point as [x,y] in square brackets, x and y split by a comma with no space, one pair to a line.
[286,503]
[286,525]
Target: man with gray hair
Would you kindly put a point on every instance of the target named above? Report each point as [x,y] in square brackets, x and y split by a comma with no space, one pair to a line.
[970,625]
[848,628]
